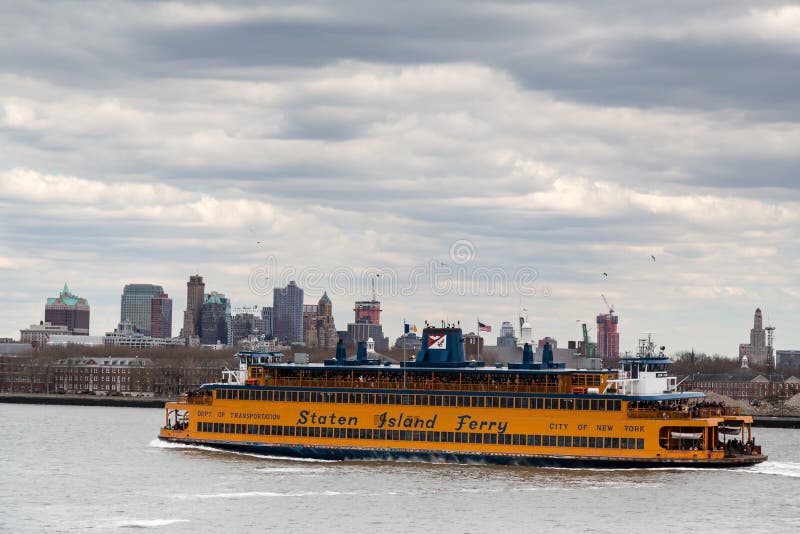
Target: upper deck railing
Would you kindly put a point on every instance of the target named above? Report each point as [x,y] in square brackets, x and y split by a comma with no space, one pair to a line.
[425,385]
[696,413]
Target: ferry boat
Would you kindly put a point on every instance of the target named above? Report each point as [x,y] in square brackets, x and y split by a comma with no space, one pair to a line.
[442,407]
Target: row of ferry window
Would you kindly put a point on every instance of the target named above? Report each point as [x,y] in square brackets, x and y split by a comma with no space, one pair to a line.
[534,440]
[421,400]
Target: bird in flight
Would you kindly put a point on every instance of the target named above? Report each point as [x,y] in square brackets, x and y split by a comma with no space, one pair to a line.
[605,274]
[653,257]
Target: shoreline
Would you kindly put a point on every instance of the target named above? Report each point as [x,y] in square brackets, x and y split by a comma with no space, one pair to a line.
[765,421]
[82,400]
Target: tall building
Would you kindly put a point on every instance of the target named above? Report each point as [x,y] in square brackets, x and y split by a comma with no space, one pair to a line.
[368,324]
[319,329]
[135,305]
[287,309]
[68,310]
[368,311]
[607,336]
[506,337]
[215,320]
[161,316]
[195,292]
[758,351]
[266,316]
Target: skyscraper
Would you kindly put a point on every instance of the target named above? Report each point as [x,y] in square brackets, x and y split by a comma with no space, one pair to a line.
[266,315]
[607,336]
[195,291]
[68,310]
[215,324]
[757,351]
[318,325]
[287,309]
[161,316]
[135,305]
[368,311]
[506,337]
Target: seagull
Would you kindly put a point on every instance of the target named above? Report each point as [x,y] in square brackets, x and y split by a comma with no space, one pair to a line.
[653,257]
[605,274]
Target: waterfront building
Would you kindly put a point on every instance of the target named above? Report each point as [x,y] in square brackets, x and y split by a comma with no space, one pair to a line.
[607,336]
[68,310]
[38,334]
[195,291]
[127,335]
[128,376]
[161,316]
[744,384]
[506,337]
[319,330]
[215,320]
[287,308]
[66,340]
[135,306]
[758,351]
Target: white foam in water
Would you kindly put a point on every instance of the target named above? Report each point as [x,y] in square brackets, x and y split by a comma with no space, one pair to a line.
[147,523]
[251,494]
[161,444]
[785,469]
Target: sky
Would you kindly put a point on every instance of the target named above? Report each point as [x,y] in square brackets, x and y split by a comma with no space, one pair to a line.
[470,159]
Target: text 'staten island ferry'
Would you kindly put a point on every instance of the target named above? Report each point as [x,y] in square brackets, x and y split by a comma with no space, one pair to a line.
[442,407]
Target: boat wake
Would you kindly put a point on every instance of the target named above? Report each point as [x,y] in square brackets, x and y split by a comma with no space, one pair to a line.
[785,469]
[161,444]
[268,494]
[147,523]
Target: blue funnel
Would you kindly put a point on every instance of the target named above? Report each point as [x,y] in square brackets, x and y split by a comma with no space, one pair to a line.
[341,352]
[527,354]
[361,353]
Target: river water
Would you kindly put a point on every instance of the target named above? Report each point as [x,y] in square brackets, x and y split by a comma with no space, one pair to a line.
[97,469]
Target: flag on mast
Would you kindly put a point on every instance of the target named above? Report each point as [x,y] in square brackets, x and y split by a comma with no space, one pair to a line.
[484,327]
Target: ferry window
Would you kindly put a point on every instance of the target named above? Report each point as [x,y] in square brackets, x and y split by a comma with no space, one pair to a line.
[353,398]
[615,443]
[199,428]
[595,404]
[640,443]
[452,400]
[392,399]
[607,443]
[451,437]
[462,401]
[568,441]
[407,436]
[548,404]
[623,443]
[560,441]
[458,437]
[506,438]
[495,401]
[562,404]
[617,405]
[591,442]
[582,443]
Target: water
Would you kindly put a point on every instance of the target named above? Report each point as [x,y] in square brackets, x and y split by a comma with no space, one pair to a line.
[95,469]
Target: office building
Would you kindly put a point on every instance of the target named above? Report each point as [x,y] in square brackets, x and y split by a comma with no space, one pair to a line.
[607,336]
[287,309]
[195,296]
[135,305]
[161,316]
[759,350]
[68,310]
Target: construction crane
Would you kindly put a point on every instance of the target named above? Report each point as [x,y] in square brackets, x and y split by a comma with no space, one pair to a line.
[610,306]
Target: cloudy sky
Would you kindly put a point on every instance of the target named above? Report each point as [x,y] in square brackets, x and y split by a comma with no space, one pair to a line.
[482,157]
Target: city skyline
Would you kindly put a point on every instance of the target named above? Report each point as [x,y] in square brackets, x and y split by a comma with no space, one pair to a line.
[645,153]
